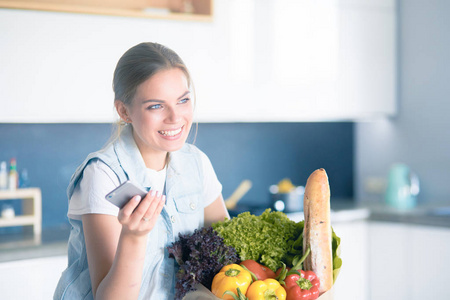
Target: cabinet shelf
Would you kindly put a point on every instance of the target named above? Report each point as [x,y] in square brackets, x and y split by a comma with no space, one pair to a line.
[17,221]
[31,208]
[153,9]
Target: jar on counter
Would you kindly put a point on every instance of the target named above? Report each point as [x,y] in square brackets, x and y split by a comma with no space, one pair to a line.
[8,212]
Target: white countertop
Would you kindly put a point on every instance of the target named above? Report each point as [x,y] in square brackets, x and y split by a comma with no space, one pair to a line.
[348,215]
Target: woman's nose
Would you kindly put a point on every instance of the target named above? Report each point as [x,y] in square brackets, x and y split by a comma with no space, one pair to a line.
[173,115]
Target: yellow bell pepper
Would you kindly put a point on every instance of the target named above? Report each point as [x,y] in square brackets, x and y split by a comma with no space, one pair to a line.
[230,278]
[268,289]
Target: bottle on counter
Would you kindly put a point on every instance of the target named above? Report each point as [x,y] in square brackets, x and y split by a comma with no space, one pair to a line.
[3,176]
[13,177]
[24,180]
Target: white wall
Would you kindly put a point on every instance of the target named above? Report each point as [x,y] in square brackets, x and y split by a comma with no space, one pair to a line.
[420,135]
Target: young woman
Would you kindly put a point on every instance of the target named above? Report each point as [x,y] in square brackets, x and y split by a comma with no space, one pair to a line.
[122,254]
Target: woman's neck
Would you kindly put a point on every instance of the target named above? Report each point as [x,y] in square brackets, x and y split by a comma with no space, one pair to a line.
[155,161]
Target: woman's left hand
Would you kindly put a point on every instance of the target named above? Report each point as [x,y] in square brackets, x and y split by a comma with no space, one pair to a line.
[138,217]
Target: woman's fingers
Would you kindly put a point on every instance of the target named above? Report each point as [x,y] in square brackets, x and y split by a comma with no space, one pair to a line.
[141,214]
[126,212]
[155,208]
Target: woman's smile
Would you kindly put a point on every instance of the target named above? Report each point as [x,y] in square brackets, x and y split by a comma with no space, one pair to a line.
[172,133]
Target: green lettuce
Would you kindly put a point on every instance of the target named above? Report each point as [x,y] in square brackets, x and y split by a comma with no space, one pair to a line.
[337,261]
[270,239]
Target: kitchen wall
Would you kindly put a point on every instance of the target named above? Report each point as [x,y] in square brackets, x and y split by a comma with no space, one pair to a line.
[265,153]
[419,134]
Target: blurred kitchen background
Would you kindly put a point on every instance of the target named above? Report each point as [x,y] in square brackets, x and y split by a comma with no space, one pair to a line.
[358,87]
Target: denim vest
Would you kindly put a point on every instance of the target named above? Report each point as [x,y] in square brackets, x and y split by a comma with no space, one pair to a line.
[182,213]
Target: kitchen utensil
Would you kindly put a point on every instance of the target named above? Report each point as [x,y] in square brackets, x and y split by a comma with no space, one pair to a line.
[291,201]
[403,187]
[237,195]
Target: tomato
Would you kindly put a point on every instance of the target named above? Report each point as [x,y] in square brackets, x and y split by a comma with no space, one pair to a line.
[261,272]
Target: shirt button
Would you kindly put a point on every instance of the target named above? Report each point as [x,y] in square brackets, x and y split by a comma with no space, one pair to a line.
[172,218]
[192,205]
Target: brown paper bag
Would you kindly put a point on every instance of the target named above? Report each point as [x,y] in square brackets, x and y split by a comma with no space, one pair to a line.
[202,293]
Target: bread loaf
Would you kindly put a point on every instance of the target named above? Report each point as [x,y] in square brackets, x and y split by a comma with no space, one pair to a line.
[317,230]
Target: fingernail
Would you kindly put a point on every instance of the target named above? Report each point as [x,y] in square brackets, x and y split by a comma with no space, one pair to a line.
[163,198]
[158,193]
[137,198]
[153,192]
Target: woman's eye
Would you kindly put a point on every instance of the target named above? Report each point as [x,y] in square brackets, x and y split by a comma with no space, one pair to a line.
[184,100]
[155,106]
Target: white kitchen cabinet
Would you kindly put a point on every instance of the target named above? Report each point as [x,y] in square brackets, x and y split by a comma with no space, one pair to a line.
[390,261]
[430,247]
[256,61]
[367,59]
[31,278]
[408,261]
[352,282]
[58,67]
[332,60]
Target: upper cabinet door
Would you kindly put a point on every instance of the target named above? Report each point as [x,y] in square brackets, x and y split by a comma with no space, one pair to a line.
[367,59]
[307,60]
[304,60]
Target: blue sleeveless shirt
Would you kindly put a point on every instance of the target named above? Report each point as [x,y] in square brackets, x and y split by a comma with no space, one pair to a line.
[182,213]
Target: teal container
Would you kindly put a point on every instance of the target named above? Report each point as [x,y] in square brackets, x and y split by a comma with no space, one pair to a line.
[403,187]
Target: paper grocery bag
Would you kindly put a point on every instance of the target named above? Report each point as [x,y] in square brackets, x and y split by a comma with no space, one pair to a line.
[202,293]
[329,295]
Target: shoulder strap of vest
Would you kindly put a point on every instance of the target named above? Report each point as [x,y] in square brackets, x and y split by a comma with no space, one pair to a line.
[107,156]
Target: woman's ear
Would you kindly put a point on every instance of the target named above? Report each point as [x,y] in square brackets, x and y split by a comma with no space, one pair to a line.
[122,111]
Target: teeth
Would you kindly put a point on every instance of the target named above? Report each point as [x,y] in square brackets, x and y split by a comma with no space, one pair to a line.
[171,132]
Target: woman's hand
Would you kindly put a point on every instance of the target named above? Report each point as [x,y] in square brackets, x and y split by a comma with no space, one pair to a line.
[138,217]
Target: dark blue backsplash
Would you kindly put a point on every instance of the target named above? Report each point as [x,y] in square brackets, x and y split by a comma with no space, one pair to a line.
[265,153]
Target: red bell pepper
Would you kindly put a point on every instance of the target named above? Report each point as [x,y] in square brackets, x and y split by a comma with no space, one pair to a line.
[299,284]
[304,286]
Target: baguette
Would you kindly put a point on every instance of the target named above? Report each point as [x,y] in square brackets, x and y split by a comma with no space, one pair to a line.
[317,229]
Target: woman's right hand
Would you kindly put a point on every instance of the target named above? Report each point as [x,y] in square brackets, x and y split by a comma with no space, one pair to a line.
[138,217]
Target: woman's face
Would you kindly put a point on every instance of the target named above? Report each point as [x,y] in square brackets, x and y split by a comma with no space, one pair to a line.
[161,112]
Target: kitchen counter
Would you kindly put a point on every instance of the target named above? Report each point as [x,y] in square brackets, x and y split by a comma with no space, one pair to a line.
[341,211]
[428,214]
[22,245]
[54,241]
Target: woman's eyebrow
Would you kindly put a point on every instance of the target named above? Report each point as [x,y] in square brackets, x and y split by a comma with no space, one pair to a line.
[153,100]
[185,93]
[162,101]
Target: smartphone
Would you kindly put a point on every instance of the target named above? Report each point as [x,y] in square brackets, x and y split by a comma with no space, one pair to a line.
[124,192]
